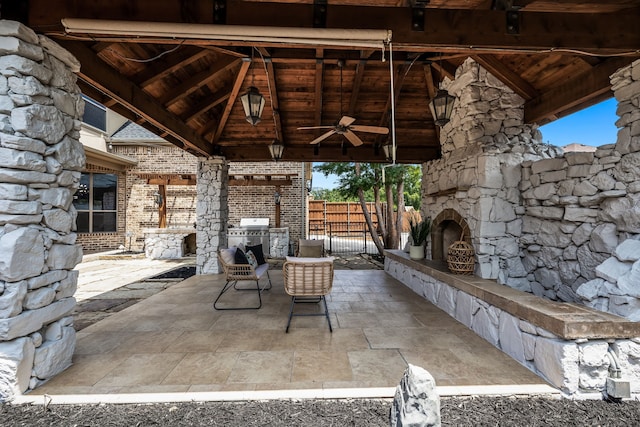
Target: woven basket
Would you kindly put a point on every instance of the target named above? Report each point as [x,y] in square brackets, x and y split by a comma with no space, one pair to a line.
[460,257]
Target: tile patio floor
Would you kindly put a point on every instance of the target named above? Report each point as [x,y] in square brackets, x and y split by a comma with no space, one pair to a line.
[175,341]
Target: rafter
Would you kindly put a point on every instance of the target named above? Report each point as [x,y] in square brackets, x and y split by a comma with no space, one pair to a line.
[508,77]
[191,85]
[207,104]
[246,63]
[169,65]
[592,84]
[319,90]
[110,82]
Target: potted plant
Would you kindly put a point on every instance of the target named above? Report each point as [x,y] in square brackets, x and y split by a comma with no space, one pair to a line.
[419,230]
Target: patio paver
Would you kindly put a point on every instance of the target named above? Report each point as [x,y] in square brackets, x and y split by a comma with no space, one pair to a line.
[175,341]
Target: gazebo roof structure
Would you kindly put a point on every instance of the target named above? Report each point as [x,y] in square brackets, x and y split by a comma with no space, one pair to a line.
[178,68]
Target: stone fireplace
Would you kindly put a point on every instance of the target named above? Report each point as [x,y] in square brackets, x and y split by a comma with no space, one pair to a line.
[473,190]
[447,227]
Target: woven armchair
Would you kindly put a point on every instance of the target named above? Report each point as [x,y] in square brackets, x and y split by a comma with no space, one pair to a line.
[235,273]
[308,280]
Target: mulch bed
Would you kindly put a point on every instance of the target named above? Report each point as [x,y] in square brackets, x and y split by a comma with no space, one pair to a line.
[479,411]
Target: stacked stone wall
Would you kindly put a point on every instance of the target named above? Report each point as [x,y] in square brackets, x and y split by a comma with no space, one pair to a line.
[479,173]
[580,207]
[212,213]
[40,163]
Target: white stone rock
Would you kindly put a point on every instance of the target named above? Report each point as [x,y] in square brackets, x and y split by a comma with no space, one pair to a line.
[18,219]
[416,402]
[590,290]
[69,153]
[47,278]
[604,238]
[40,122]
[53,48]
[68,286]
[623,212]
[58,219]
[39,298]
[580,214]
[628,353]
[64,257]
[25,66]
[18,207]
[30,321]
[21,254]
[59,197]
[612,269]
[25,177]
[465,308]
[625,306]
[486,323]
[22,143]
[53,357]
[629,282]
[11,298]
[511,337]
[26,160]
[582,234]
[13,192]
[16,360]
[558,361]
[28,86]
[548,165]
[629,250]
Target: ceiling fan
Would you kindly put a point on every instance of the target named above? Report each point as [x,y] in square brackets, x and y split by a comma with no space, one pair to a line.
[345,125]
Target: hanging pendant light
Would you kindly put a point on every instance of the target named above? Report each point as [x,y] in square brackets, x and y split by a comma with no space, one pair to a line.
[276,149]
[253,104]
[442,105]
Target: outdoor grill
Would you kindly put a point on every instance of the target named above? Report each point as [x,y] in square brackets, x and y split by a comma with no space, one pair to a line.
[251,232]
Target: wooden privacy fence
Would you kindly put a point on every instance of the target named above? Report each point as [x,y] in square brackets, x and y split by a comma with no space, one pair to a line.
[342,225]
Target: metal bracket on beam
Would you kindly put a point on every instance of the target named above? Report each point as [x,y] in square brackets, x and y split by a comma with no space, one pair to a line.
[219,12]
[417,19]
[513,22]
[319,13]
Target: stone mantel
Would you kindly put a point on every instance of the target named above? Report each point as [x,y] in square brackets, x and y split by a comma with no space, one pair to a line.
[565,320]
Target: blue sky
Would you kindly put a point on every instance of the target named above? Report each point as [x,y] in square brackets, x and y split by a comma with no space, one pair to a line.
[592,126]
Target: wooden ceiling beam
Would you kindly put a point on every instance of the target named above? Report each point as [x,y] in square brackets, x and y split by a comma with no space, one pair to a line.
[318,85]
[113,84]
[194,83]
[273,94]
[508,77]
[244,68]
[207,104]
[299,153]
[168,65]
[592,84]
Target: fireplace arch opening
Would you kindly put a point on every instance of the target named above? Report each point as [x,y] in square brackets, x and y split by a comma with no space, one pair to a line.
[447,227]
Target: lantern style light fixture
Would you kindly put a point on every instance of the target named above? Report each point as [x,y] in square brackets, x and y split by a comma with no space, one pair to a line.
[253,104]
[276,197]
[276,149]
[157,199]
[442,107]
[389,151]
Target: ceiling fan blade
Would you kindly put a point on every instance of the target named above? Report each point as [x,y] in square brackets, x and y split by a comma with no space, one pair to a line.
[346,121]
[323,137]
[370,129]
[315,127]
[353,138]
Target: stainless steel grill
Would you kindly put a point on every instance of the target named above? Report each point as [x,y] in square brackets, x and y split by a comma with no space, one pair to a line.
[252,231]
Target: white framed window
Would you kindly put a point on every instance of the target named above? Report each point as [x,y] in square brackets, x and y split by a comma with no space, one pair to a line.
[96,203]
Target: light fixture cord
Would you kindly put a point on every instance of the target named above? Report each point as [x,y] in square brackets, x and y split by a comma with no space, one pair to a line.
[273,111]
[393,108]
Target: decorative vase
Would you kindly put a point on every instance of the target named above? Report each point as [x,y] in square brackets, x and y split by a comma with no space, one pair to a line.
[416,252]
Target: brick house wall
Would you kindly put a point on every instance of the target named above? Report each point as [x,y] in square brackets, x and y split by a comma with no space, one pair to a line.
[137,211]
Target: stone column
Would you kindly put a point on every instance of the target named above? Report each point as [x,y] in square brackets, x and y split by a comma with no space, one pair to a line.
[212,213]
[40,163]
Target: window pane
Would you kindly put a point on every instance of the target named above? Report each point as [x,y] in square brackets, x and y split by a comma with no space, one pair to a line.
[105,187]
[83,222]
[81,198]
[104,221]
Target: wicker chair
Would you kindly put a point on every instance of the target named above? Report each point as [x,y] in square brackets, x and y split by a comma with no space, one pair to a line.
[310,248]
[235,273]
[308,280]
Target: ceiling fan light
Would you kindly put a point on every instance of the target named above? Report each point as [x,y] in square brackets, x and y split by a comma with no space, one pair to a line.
[442,106]
[276,149]
[253,104]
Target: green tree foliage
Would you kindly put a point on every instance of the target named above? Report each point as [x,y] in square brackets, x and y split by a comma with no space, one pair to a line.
[371,182]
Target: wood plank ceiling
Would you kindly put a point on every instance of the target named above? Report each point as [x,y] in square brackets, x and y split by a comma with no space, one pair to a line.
[557,55]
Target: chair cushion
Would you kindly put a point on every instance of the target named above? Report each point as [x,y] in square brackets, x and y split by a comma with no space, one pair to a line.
[240,257]
[257,252]
[310,248]
[261,269]
[251,258]
[301,260]
[228,255]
